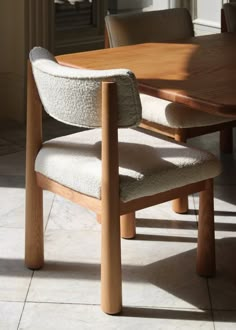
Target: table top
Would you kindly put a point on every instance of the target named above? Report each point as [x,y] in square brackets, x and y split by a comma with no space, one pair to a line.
[199,72]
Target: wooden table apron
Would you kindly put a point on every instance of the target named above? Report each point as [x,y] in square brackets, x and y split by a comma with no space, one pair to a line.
[199,72]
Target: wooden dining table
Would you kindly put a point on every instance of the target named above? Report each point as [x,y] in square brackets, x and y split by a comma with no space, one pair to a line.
[199,72]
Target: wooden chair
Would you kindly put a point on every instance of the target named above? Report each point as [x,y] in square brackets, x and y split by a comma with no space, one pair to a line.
[168,118]
[112,171]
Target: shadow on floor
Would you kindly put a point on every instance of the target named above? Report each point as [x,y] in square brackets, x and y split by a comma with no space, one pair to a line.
[175,275]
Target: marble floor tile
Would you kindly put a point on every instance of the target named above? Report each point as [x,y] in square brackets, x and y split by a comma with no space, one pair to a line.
[223,286]
[156,271]
[224,210]
[224,320]
[70,216]
[10,315]
[161,219]
[210,142]
[14,276]
[12,211]
[70,317]
[166,282]
[71,272]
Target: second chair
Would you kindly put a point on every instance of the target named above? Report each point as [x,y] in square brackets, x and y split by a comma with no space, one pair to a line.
[169,118]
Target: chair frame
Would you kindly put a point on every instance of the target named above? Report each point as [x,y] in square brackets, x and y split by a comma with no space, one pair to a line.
[117,216]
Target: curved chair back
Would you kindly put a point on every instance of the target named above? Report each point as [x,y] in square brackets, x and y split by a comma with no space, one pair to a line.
[73,96]
[230,16]
[151,26]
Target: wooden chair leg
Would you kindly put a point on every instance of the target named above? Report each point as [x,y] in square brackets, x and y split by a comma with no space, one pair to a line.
[111,295]
[34,255]
[34,245]
[111,264]
[206,237]
[127,225]
[226,140]
[180,205]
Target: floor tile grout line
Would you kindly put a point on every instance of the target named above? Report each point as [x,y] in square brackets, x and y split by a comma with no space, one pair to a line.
[211,305]
[60,303]
[25,300]
[124,306]
[27,293]
[49,213]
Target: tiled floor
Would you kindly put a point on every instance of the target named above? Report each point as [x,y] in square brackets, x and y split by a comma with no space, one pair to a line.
[160,287]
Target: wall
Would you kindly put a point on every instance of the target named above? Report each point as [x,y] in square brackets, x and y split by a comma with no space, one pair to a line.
[12,69]
[205,13]
[206,16]
[123,5]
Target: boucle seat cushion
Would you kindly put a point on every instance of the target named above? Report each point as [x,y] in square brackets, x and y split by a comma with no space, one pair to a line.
[147,164]
[175,115]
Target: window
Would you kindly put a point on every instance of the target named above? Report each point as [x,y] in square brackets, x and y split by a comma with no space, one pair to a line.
[79,25]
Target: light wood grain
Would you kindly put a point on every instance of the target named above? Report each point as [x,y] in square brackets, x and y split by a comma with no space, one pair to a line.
[206,239]
[34,254]
[125,207]
[76,197]
[147,201]
[128,225]
[111,300]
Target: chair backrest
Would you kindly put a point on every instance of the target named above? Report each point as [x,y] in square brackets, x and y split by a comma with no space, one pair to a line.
[151,26]
[230,16]
[73,96]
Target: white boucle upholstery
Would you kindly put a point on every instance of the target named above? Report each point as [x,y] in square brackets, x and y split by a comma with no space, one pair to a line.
[73,96]
[150,26]
[172,114]
[147,164]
